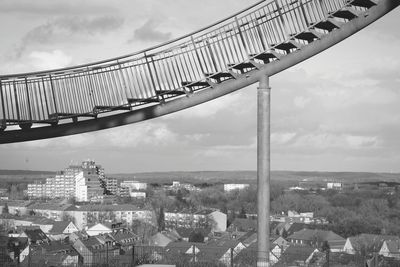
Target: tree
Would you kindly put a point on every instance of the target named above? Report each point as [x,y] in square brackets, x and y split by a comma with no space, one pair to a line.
[196,236]
[242,213]
[161,219]
[5,209]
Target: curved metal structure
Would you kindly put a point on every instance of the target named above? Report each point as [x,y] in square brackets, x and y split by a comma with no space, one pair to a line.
[263,39]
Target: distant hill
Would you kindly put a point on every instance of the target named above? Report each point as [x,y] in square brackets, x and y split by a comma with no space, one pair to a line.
[251,176]
[25,172]
[220,176]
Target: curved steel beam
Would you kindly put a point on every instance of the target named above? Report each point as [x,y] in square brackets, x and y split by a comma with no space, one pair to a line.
[205,95]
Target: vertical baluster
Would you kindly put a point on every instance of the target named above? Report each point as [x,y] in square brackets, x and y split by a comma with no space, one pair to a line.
[2,103]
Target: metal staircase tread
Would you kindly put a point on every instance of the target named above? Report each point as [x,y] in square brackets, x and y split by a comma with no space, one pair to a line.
[309,35]
[328,25]
[66,114]
[195,84]
[112,108]
[142,100]
[220,76]
[287,46]
[362,3]
[171,92]
[242,66]
[347,13]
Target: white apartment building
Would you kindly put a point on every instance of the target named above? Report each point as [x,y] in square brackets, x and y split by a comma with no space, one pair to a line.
[79,182]
[126,213]
[205,218]
[134,185]
[231,187]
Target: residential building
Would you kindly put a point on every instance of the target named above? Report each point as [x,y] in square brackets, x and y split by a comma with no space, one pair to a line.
[214,219]
[35,236]
[112,185]
[54,211]
[316,238]
[81,182]
[61,230]
[220,251]
[390,248]
[231,187]
[98,229]
[334,185]
[296,256]
[126,213]
[162,239]
[96,250]
[134,185]
[367,243]
[55,253]
[15,207]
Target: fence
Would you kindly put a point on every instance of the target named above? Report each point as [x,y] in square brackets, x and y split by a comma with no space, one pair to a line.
[193,255]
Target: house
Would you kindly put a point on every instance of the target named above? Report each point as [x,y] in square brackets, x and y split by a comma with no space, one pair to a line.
[185,251]
[61,230]
[206,218]
[222,251]
[96,250]
[13,249]
[97,229]
[243,225]
[54,211]
[55,253]
[35,236]
[286,229]
[126,213]
[162,239]
[315,238]
[15,207]
[125,238]
[188,234]
[14,222]
[390,248]
[248,256]
[366,243]
[296,256]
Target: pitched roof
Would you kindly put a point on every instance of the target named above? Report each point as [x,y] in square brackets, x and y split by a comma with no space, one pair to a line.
[36,235]
[295,254]
[371,242]
[243,224]
[59,227]
[186,232]
[50,206]
[120,207]
[315,234]
[393,246]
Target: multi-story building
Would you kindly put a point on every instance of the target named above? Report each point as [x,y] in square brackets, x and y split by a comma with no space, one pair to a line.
[134,185]
[132,189]
[126,213]
[112,185]
[213,219]
[54,211]
[81,182]
[231,187]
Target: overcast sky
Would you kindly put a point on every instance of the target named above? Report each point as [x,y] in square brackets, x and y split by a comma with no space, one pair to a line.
[339,111]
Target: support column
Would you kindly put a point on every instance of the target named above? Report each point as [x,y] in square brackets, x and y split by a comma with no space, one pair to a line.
[263,170]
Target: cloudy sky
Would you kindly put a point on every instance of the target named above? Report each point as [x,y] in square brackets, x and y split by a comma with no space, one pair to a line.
[339,111]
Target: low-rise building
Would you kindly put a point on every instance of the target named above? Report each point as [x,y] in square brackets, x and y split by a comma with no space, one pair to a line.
[231,187]
[15,207]
[126,213]
[54,211]
[213,219]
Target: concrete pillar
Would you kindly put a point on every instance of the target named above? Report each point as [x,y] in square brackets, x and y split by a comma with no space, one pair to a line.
[263,170]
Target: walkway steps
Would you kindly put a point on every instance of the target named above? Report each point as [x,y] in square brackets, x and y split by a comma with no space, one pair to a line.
[220,76]
[171,92]
[327,25]
[363,3]
[142,100]
[347,13]
[198,85]
[308,36]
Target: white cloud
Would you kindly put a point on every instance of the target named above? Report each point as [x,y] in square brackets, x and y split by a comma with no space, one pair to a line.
[361,141]
[42,60]
[301,101]
[282,138]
